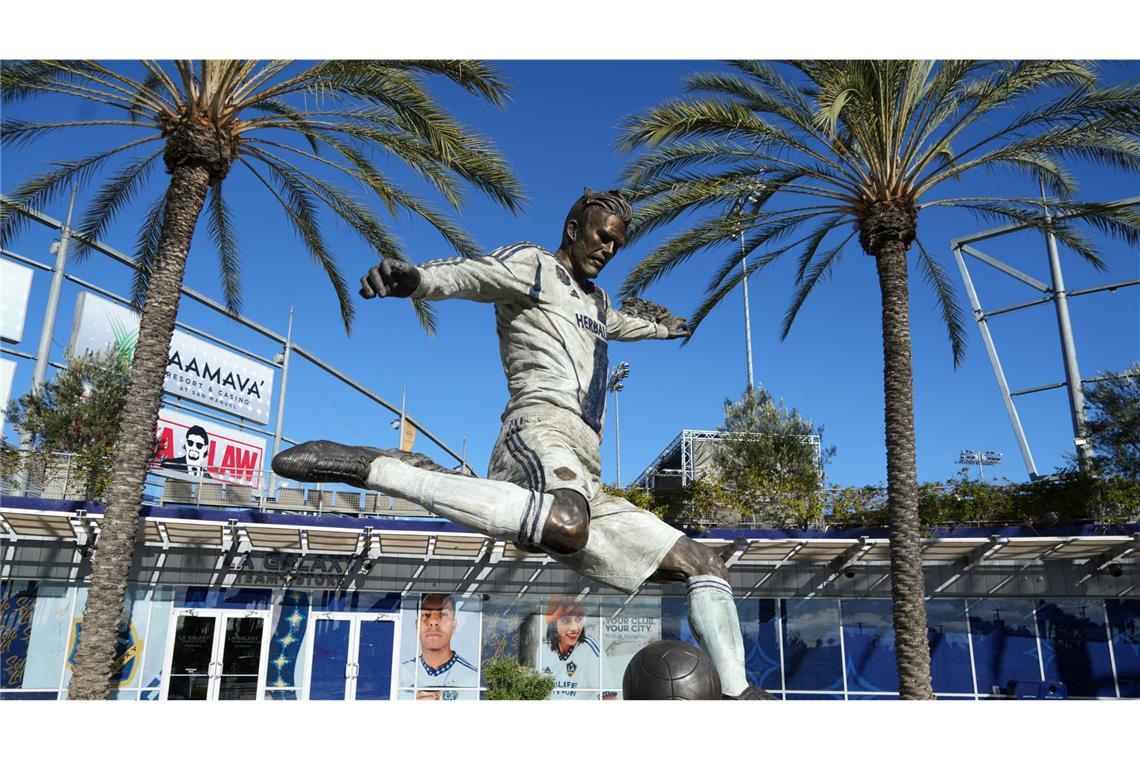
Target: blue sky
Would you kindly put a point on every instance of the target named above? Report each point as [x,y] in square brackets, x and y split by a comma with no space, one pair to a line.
[559,133]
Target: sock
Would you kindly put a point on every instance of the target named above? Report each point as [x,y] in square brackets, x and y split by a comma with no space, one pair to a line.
[493,507]
[713,618]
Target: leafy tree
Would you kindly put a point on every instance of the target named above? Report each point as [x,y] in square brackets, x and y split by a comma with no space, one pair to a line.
[77,413]
[510,679]
[1113,428]
[843,151]
[298,130]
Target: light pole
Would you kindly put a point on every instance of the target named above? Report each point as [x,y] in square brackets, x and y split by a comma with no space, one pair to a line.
[980,458]
[748,196]
[615,386]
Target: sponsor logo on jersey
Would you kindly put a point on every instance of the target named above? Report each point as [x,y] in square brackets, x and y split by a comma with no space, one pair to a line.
[591,324]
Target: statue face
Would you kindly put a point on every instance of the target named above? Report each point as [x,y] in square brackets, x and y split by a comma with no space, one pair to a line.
[594,242]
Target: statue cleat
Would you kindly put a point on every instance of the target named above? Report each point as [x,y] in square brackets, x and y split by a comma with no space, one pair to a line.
[751,692]
[327,462]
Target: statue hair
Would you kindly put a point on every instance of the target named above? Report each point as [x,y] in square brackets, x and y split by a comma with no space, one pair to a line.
[610,201]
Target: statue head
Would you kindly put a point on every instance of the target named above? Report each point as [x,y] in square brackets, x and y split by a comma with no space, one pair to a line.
[594,229]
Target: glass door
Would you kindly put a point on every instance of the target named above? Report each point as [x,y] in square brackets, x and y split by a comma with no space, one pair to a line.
[353,656]
[375,659]
[242,656]
[216,654]
[192,657]
[330,673]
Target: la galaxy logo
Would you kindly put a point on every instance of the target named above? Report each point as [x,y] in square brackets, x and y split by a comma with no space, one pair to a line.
[571,668]
[562,276]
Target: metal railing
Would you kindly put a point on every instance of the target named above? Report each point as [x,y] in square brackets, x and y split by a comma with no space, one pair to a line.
[63,476]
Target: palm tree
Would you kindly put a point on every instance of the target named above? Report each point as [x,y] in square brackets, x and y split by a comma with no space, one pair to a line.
[840,150]
[292,127]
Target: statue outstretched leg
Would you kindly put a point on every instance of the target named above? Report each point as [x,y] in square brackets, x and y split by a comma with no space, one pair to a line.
[492,507]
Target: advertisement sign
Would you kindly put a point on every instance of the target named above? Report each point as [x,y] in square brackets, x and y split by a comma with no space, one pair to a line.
[196,369]
[565,642]
[439,650]
[15,285]
[7,371]
[196,449]
[626,632]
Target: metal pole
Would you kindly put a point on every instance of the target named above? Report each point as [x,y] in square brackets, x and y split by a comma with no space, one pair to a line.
[47,332]
[995,362]
[39,374]
[747,317]
[1068,346]
[403,416]
[617,425]
[280,421]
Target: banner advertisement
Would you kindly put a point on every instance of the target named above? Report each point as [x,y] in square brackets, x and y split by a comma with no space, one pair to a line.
[439,648]
[564,641]
[7,372]
[192,448]
[626,632]
[196,369]
[15,285]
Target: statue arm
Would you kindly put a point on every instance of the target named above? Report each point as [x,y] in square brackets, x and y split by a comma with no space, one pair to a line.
[486,279]
[621,326]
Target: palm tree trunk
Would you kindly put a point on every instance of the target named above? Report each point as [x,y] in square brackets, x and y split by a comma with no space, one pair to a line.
[908,588]
[114,554]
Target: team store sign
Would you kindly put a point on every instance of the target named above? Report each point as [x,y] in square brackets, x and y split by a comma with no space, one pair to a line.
[233,456]
[195,369]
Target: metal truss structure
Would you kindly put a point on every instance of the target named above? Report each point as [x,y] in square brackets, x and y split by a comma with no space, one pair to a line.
[677,466]
[1053,292]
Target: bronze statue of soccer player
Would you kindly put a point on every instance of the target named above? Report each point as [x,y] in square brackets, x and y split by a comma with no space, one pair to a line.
[544,481]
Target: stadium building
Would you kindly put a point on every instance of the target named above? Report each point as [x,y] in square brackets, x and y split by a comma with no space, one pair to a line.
[246,588]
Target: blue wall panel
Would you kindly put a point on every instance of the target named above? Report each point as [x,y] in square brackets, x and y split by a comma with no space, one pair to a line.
[949,646]
[869,645]
[1005,645]
[1124,620]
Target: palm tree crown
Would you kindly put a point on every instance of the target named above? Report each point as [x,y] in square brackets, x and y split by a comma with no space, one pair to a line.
[289,126]
[855,148]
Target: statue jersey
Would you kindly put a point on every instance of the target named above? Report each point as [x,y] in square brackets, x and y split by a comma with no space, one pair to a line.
[553,334]
[578,669]
[455,672]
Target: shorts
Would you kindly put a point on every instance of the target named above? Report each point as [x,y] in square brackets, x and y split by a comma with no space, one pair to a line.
[545,448]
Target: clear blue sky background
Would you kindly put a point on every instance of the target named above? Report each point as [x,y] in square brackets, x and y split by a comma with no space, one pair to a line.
[559,133]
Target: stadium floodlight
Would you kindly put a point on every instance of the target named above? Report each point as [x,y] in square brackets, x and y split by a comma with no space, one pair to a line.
[615,385]
[980,458]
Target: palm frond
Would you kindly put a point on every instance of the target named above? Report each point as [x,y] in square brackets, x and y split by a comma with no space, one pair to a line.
[222,234]
[146,250]
[951,310]
[46,188]
[112,197]
[818,271]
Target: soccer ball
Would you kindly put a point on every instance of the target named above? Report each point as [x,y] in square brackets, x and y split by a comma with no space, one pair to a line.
[670,670]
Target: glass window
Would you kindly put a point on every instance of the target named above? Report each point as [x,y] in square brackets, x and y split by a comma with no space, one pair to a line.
[869,645]
[1074,646]
[760,626]
[949,646]
[811,645]
[1005,644]
[1124,621]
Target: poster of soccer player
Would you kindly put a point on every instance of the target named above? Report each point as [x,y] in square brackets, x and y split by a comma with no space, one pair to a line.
[564,639]
[439,650]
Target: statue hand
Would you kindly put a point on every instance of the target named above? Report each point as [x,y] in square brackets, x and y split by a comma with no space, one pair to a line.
[391,277]
[678,328]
